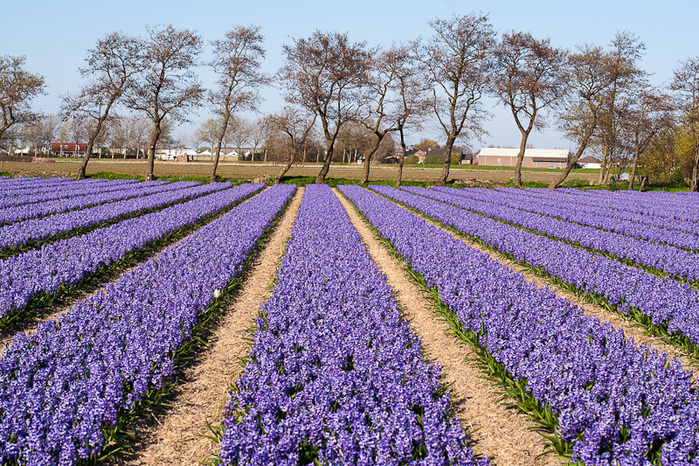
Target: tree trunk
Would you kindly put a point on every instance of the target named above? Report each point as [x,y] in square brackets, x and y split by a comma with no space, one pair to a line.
[212,177]
[320,179]
[285,169]
[634,164]
[151,152]
[557,182]
[603,165]
[695,169]
[83,166]
[520,159]
[401,159]
[367,159]
[91,140]
[644,179]
[447,161]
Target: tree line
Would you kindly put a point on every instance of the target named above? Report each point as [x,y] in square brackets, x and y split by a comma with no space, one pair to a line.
[599,96]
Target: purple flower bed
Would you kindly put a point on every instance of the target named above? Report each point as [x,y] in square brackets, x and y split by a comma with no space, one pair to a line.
[616,402]
[613,223]
[677,209]
[76,188]
[651,208]
[674,261]
[599,208]
[35,210]
[8,194]
[668,302]
[335,376]
[19,186]
[68,261]
[21,233]
[60,386]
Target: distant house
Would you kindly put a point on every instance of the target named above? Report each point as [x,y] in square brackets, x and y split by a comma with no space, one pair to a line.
[68,149]
[589,162]
[238,153]
[175,154]
[26,151]
[533,158]
[464,157]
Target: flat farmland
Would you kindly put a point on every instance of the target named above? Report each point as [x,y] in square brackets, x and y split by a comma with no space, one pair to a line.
[65,167]
[149,323]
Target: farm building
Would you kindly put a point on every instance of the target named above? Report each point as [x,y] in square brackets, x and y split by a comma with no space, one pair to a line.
[437,155]
[533,158]
[68,149]
[589,162]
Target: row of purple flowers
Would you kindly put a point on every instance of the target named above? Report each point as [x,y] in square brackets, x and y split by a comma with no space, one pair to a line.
[674,261]
[21,233]
[68,261]
[61,385]
[597,211]
[666,301]
[616,402]
[67,190]
[673,237]
[335,376]
[24,185]
[654,203]
[77,201]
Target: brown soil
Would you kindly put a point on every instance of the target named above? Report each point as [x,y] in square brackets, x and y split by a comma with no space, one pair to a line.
[460,173]
[179,435]
[502,432]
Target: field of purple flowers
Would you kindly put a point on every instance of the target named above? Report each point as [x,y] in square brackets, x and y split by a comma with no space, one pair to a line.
[334,374]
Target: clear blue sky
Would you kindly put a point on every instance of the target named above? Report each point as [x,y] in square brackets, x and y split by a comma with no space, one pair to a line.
[54,35]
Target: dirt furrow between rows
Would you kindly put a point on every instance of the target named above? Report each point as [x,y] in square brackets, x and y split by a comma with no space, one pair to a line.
[501,431]
[179,436]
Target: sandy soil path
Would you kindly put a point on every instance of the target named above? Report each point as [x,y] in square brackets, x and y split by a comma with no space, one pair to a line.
[502,432]
[179,437]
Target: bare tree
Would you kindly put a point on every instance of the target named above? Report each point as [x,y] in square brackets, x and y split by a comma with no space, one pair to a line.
[323,74]
[167,88]
[258,133]
[686,86]
[209,132]
[31,133]
[457,61]
[387,107]
[239,133]
[41,132]
[237,63]
[355,139]
[79,125]
[17,89]
[591,76]
[650,112]
[296,125]
[48,124]
[530,78]
[415,107]
[137,131]
[625,52]
[111,66]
